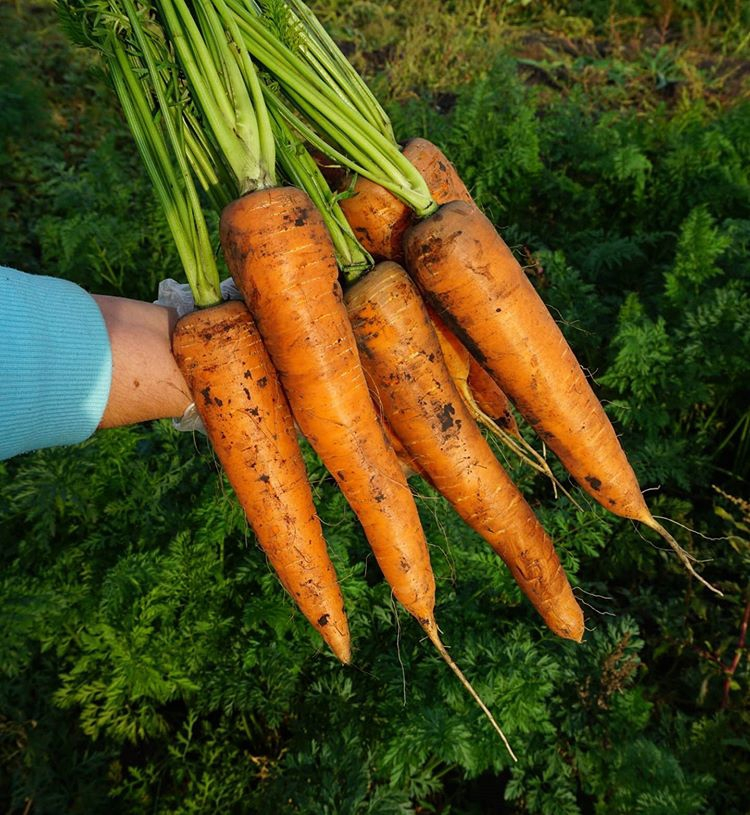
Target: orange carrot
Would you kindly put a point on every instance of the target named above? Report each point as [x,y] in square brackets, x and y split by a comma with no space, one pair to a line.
[491,398]
[402,357]
[282,259]
[470,277]
[457,358]
[382,234]
[379,219]
[473,382]
[247,418]
[443,182]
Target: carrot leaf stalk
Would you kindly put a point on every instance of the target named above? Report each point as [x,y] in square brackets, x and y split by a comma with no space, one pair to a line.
[161,122]
[322,53]
[225,85]
[186,223]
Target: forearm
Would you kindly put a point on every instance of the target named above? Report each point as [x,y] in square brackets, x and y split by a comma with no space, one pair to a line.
[55,363]
[146,382]
[70,363]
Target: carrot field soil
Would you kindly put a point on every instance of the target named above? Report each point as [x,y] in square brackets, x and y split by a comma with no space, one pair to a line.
[150,660]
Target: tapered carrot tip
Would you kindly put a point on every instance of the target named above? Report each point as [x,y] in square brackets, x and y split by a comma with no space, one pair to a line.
[339,644]
[336,637]
[570,625]
[430,628]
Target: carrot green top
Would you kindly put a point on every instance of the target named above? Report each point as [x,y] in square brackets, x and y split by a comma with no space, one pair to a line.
[339,115]
[195,103]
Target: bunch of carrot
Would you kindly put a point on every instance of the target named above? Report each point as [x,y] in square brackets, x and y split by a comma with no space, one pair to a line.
[394,367]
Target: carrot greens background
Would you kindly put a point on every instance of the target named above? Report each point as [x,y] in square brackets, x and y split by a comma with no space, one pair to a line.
[149,660]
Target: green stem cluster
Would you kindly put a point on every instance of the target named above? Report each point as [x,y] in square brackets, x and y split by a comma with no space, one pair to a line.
[325,56]
[347,136]
[157,129]
[225,87]
[227,127]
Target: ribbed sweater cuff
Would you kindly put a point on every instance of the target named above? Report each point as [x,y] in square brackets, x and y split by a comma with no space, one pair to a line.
[55,363]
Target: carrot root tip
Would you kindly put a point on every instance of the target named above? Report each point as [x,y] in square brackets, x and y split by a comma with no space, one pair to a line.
[684,556]
[432,632]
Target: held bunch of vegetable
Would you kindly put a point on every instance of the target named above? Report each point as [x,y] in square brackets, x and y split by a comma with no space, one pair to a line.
[282,257]
[186,77]
[463,268]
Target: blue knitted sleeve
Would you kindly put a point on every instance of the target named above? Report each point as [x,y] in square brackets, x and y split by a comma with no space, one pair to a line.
[55,363]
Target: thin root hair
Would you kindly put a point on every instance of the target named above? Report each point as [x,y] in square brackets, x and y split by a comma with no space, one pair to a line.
[591,593]
[597,610]
[689,555]
[685,557]
[394,607]
[693,531]
[434,636]
[651,489]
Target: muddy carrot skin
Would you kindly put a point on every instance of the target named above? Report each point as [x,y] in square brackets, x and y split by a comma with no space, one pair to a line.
[402,357]
[377,218]
[443,182]
[247,418]
[281,257]
[470,277]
